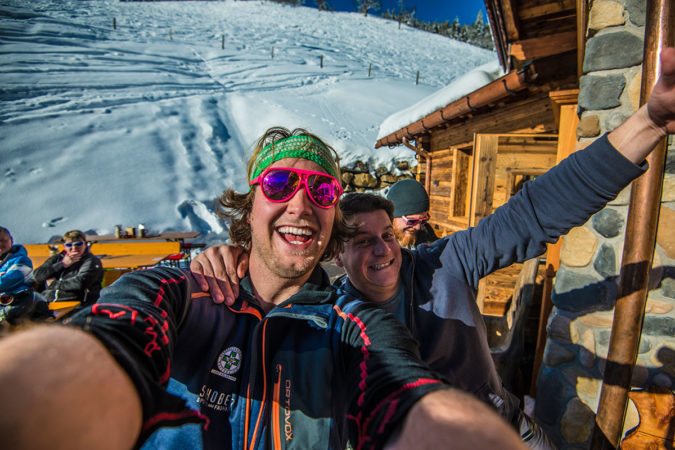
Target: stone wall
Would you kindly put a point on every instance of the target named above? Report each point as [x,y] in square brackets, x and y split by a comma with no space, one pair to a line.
[360,177]
[579,327]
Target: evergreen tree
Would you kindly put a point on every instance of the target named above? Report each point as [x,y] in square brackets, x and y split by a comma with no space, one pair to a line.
[479,19]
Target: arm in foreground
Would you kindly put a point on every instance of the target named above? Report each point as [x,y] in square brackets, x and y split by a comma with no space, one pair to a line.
[47,403]
[453,418]
[394,398]
[62,378]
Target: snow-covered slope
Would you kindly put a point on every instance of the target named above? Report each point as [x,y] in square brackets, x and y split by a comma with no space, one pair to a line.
[148,122]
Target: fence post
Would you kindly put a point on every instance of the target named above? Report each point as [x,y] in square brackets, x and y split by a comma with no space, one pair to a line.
[370,69]
[222,43]
[417,79]
[272,52]
[114,23]
[321,61]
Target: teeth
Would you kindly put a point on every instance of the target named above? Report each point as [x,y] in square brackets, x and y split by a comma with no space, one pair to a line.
[296,231]
[382,266]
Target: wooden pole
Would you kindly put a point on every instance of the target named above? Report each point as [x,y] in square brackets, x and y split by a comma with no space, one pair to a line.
[637,253]
[222,42]
[321,61]
[417,79]
[114,23]
[370,69]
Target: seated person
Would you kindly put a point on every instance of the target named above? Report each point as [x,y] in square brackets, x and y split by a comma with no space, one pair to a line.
[73,274]
[411,213]
[16,293]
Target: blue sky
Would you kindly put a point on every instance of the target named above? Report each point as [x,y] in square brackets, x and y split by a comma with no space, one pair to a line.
[428,10]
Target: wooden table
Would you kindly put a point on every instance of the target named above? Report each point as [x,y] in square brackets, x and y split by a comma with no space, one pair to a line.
[170,236]
[122,254]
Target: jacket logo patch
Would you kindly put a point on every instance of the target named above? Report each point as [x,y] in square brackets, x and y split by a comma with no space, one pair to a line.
[229,362]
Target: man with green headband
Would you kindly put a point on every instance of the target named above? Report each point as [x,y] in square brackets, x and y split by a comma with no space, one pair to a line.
[290,364]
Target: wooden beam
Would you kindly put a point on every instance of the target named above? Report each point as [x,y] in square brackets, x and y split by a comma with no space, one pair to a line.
[546,9]
[485,164]
[560,98]
[510,20]
[419,151]
[540,47]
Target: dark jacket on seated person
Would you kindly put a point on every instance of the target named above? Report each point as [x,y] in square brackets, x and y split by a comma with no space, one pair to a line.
[80,281]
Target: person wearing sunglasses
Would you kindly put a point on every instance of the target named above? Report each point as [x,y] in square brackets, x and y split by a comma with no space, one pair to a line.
[433,289]
[411,213]
[290,364]
[75,274]
[16,293]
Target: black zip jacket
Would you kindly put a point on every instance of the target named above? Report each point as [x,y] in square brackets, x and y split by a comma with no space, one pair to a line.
[316,371]
[81,281]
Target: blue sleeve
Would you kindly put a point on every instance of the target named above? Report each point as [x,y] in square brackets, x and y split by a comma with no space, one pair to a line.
[543,210]
[14,279]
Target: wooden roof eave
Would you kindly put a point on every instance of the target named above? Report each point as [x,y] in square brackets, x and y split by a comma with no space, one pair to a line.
[498,89]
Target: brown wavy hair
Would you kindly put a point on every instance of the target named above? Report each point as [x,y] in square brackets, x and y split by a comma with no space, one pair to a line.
[236,207]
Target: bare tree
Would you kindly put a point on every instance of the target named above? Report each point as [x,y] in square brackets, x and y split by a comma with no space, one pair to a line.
[363,6]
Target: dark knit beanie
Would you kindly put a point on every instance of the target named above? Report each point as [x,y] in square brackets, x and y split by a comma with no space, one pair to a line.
[408,197]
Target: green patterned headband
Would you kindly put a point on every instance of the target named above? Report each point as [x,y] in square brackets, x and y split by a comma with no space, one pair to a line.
[303,147]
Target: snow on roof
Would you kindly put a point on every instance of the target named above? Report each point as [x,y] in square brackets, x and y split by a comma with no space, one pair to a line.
[461,86]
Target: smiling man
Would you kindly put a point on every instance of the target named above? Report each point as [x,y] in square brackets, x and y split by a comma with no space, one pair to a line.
[289,364]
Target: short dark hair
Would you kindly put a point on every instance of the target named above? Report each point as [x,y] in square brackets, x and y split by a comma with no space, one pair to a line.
[363,202]
[236,207]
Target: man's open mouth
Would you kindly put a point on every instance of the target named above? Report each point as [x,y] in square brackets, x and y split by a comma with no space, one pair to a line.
[296,235]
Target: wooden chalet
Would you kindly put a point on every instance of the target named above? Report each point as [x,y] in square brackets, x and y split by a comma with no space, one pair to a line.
[476,151]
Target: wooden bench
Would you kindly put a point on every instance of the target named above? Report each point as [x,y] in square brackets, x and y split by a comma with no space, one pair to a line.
[60,309]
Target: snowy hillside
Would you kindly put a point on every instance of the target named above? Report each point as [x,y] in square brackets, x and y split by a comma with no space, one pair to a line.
[148,122]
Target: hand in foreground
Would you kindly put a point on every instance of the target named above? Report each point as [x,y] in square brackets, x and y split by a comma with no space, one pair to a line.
[218,271]
[661,103]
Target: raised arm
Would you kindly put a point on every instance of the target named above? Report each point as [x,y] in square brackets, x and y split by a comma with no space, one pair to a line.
[636,137]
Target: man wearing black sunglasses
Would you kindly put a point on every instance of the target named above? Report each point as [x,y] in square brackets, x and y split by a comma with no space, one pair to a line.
[74,274]
[290,364]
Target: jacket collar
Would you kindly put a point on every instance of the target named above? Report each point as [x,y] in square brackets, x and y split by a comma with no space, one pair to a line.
[316,290]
